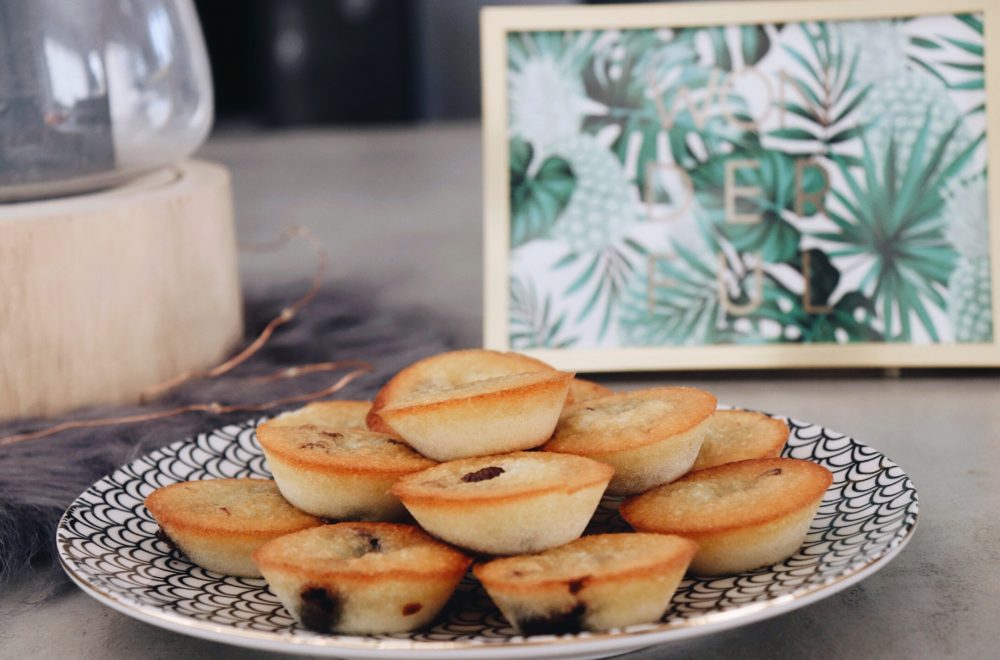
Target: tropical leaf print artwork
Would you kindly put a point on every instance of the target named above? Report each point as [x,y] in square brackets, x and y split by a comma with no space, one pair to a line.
[536,199]
[676,299]
[751,45]
[959,67]
[894,218]
[828,93]
[818,317]
[602,205]
[652,88]
[548,102]
[818,182]
[532,321]
[602,277]
[774,175]
[969,288]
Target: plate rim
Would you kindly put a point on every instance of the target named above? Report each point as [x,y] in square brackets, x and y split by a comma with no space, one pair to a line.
[622,640]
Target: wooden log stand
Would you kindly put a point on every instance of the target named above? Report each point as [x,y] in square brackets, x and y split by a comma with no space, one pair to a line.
[106,294]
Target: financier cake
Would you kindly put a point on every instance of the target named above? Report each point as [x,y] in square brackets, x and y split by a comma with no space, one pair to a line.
[490,416]
[594,583]
[361,578]
[742,515]
[446,371]
[739,435]
[507,504]
[585,390]
[335,414]
[219,523]
[650,436]
[341,474]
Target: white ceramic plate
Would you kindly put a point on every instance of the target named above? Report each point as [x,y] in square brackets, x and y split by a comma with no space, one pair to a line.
[108,545]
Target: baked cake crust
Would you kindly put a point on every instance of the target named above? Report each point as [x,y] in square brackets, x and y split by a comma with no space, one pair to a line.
[630,420]
[362,577]
[354,451]
[506,504]
[604,557]
[336,414]
[594,583]
[739,435]
[219,523]
[650,436]
[729,496]
[584,390]
[445,371]
[521,475]
[341,474]
[497,388]
[347,550]
[223,507]
[742,515]
[490,416]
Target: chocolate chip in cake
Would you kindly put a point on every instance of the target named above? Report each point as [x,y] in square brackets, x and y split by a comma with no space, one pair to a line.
[411,608]
[320,609]
[484,474]
[576,585]
[312,445]
[559,623]
[373,543]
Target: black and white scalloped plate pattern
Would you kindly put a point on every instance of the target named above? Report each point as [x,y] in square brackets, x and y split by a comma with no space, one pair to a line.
[107,544]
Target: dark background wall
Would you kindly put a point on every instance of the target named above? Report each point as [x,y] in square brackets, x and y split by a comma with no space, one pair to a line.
[295,62]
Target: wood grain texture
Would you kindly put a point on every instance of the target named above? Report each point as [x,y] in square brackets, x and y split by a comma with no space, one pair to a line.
[103,295]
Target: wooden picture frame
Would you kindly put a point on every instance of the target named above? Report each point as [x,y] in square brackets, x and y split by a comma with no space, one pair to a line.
[733,185]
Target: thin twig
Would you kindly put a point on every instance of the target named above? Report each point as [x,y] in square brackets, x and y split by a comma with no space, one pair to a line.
[286,315]
[215,408]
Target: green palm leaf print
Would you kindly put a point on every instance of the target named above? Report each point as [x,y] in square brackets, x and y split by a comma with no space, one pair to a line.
[846,320]
[533,324]
[653,75]
[828,93]
[676,300]
[752,43]
[536,200]
[603,276]
[892,217]
[965,75]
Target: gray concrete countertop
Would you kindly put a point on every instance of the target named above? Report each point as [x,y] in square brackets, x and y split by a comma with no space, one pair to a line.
[400,211]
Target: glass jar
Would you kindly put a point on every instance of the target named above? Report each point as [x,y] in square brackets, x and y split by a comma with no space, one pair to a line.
[95,92]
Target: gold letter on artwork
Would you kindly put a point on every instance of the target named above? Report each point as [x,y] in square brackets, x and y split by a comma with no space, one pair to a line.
[731,191]
[807,291]
[651,171]
[719,89]
[818,198]
[755,298]
[765,86]
[683,98]
[652,283]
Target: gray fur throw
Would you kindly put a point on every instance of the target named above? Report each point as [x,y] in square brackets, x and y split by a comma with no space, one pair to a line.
[40,478]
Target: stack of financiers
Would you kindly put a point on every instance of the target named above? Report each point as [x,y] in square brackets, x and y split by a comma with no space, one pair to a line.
[500,456]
